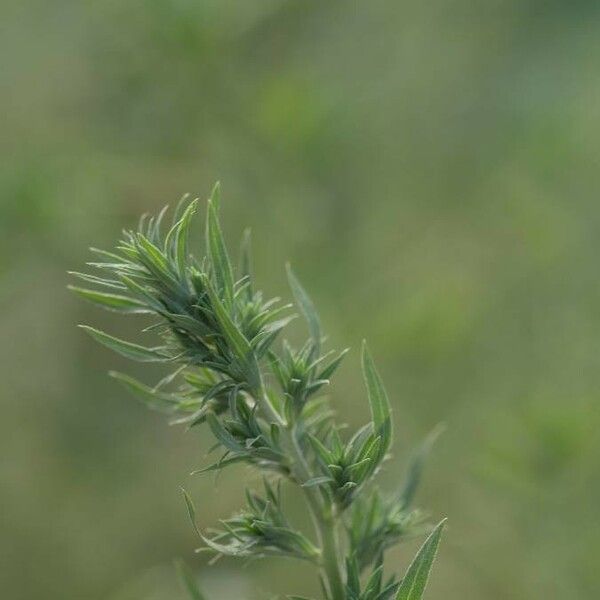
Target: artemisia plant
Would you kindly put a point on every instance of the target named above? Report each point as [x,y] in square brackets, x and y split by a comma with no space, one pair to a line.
[261,398]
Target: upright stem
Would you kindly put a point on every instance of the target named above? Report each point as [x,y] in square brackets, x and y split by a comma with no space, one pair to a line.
[331,557]
[321,513]
[325,524]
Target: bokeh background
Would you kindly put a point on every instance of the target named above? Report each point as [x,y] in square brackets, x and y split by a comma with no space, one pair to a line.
[431,169]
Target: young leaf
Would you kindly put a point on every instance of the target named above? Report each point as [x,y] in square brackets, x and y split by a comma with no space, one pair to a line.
[233,335]
[115,302]
[413,585]
[127,349]
[415,467]
[217,252]
[245,268]
[153,399]
[378,399]
[182,235]
[109,283]
[308,309]
[189,503]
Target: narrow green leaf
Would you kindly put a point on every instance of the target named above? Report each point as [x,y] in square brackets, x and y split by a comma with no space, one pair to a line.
[116,302]
[330,369]
[321,451]
[109,283]
[182,236]
[136,288]
[189,503]
[378,399]
[180,208]
[127,349]
[415,467]
[317,481]
[222,434]
[188,581]
[308,309]
[155,260]
[153,399]
[215,195]
[217,252]
[232,333]
[353,577]
[222,463]
[413,585]
[245,265]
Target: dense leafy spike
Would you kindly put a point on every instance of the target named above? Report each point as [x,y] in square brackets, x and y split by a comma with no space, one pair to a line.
[127,349]
[413,584]
[378,399]
[188,581]
[215,331]
[308,309]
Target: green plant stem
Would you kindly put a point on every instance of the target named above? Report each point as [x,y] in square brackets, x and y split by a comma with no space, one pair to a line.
[331,557]
[325,524]
[321,513]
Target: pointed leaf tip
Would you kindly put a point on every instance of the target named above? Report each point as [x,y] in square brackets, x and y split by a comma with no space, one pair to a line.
[305,304]
[215,195]
[222,272]
[109,301]
[412,587]
[126,349]
[416,465]
[189,503]
[381,411]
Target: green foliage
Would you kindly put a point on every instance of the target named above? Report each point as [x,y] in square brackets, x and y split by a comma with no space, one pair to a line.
[218,337]
[414,582]
[261,530]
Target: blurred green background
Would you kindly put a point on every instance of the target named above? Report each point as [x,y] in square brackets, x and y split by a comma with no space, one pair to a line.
[430,169]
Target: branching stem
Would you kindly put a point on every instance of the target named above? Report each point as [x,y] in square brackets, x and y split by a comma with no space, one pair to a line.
[323,517]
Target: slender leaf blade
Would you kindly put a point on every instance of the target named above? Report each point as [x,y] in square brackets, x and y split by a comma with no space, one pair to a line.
[413,585]
[115,302]
[415,467]
[245,263]
[381,411]
[217,251]
[153,399]
[232,333]
[191,509]
[182,236]
[126,349]
[307,308]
